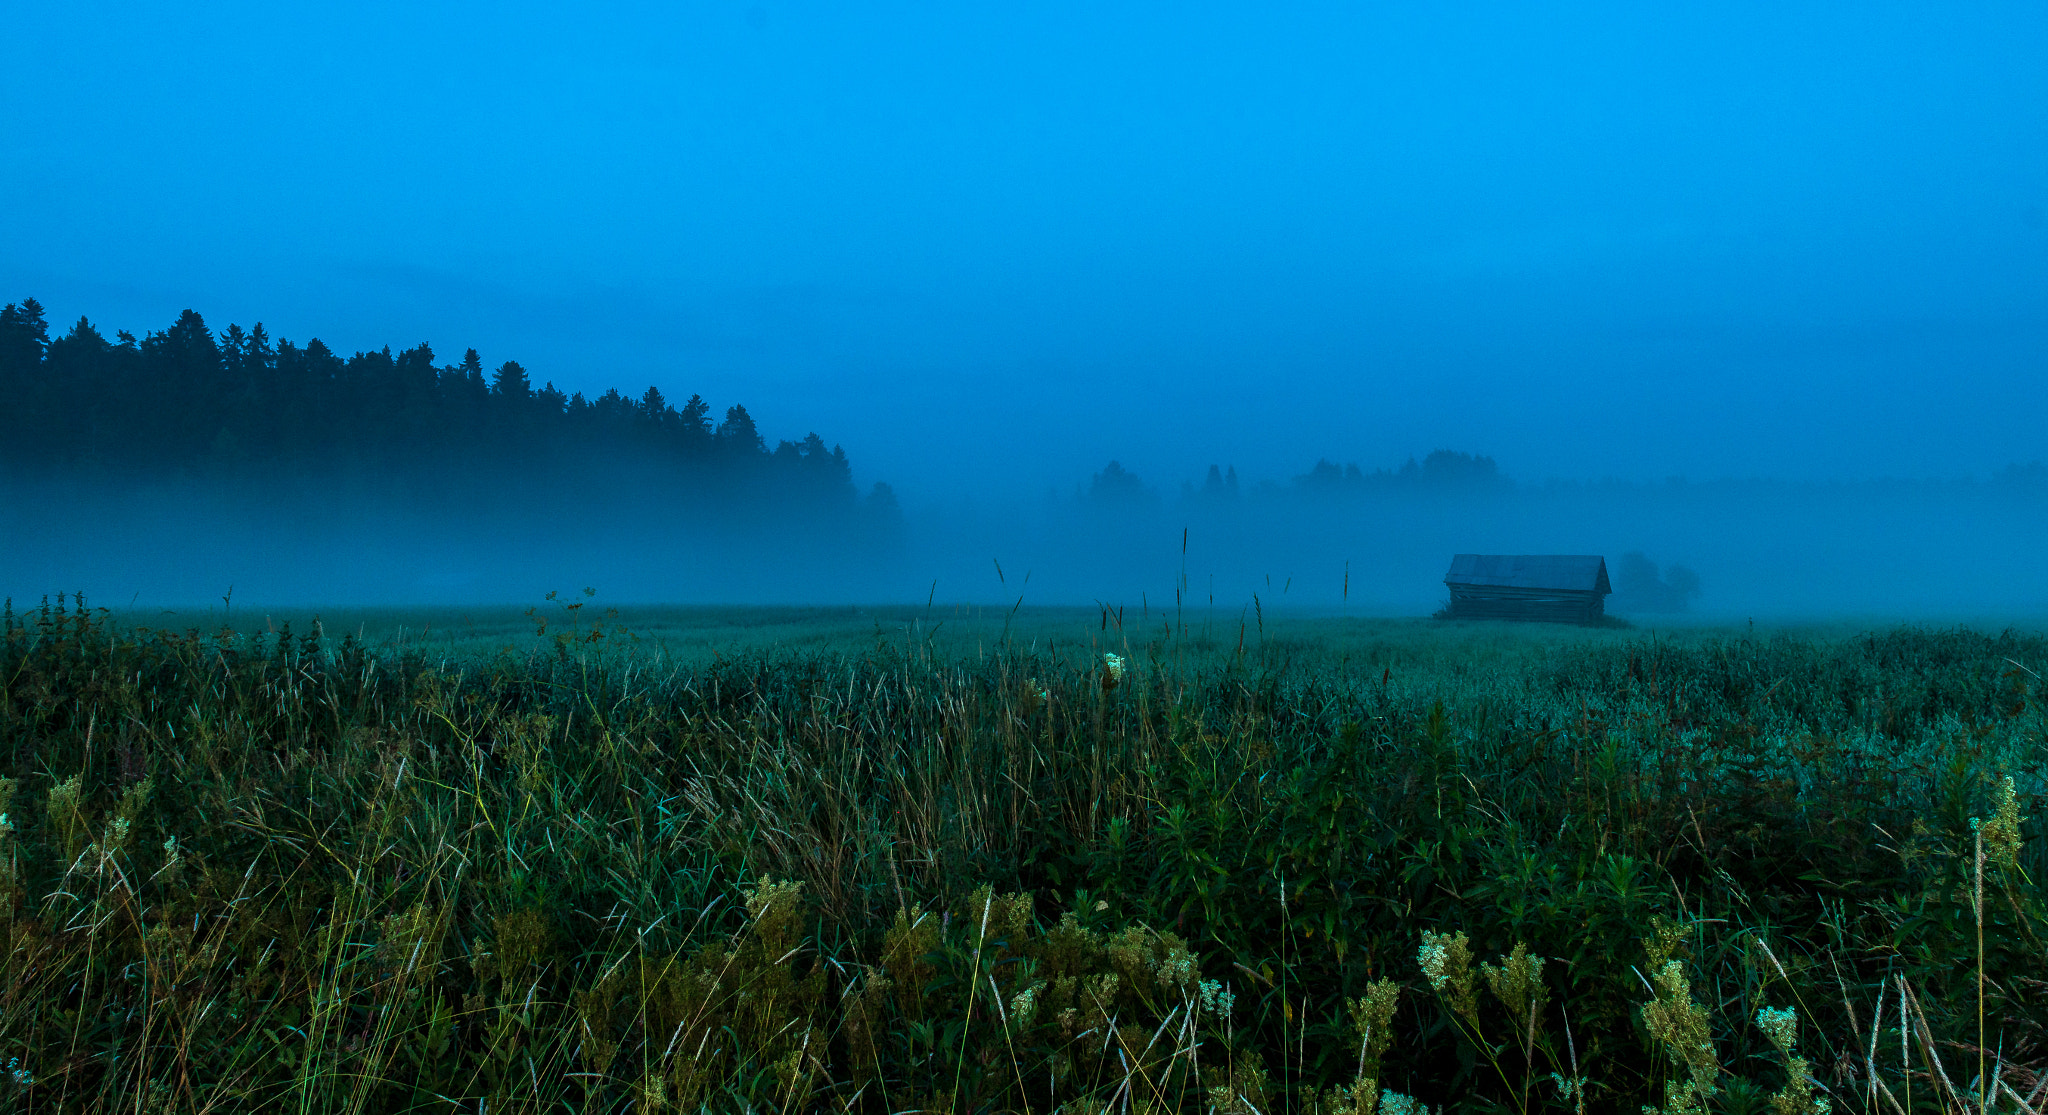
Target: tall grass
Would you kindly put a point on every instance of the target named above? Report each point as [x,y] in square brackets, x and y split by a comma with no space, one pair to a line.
[1736,874]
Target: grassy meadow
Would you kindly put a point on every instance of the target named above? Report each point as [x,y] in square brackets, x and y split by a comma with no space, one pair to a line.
[954,859]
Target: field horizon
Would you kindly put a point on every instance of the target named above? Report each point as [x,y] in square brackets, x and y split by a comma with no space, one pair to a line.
[690,630]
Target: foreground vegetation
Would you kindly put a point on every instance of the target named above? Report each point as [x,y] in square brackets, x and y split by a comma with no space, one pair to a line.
[1737,873]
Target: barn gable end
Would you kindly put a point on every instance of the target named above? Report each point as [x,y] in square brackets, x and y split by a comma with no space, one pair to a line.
[1554,588]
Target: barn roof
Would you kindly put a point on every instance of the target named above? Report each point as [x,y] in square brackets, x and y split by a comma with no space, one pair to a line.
[1572,572]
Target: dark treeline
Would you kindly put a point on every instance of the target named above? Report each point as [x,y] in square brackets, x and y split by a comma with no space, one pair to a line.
[1448,473]
[186,402]
[1443,472]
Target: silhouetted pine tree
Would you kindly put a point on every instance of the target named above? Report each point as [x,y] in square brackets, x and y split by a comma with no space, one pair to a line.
[23,336]
[693,428]
[738,438]
[509,385]
[184,383]
[79,368]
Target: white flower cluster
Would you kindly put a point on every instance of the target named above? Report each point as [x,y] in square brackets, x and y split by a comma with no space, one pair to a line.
[21,1076]
[1781,1026]
[1177,969]
[1114,663]
[1025,1005]
[1216,1000]
[1432,958]
[1394,1103]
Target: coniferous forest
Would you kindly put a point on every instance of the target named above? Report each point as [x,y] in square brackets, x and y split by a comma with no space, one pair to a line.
[239,407]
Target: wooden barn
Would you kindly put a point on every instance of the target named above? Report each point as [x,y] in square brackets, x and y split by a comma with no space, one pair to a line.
[1552,588]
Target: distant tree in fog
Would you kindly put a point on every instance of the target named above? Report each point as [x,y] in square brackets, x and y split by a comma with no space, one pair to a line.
[1447,468]
[1443,471]
[883,498]
[1638,586]
[1323,478]
[1115,488]
[1218,487]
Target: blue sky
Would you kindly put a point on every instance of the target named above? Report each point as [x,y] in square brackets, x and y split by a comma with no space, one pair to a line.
[989,247]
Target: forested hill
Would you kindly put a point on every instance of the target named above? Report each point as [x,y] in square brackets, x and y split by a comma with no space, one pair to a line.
[238,406]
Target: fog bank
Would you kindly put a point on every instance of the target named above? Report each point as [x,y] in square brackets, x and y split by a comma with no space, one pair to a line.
[1366,543]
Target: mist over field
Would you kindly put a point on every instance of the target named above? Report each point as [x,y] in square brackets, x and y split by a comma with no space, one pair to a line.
[732,269]
[1765,549]
[1368,545]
